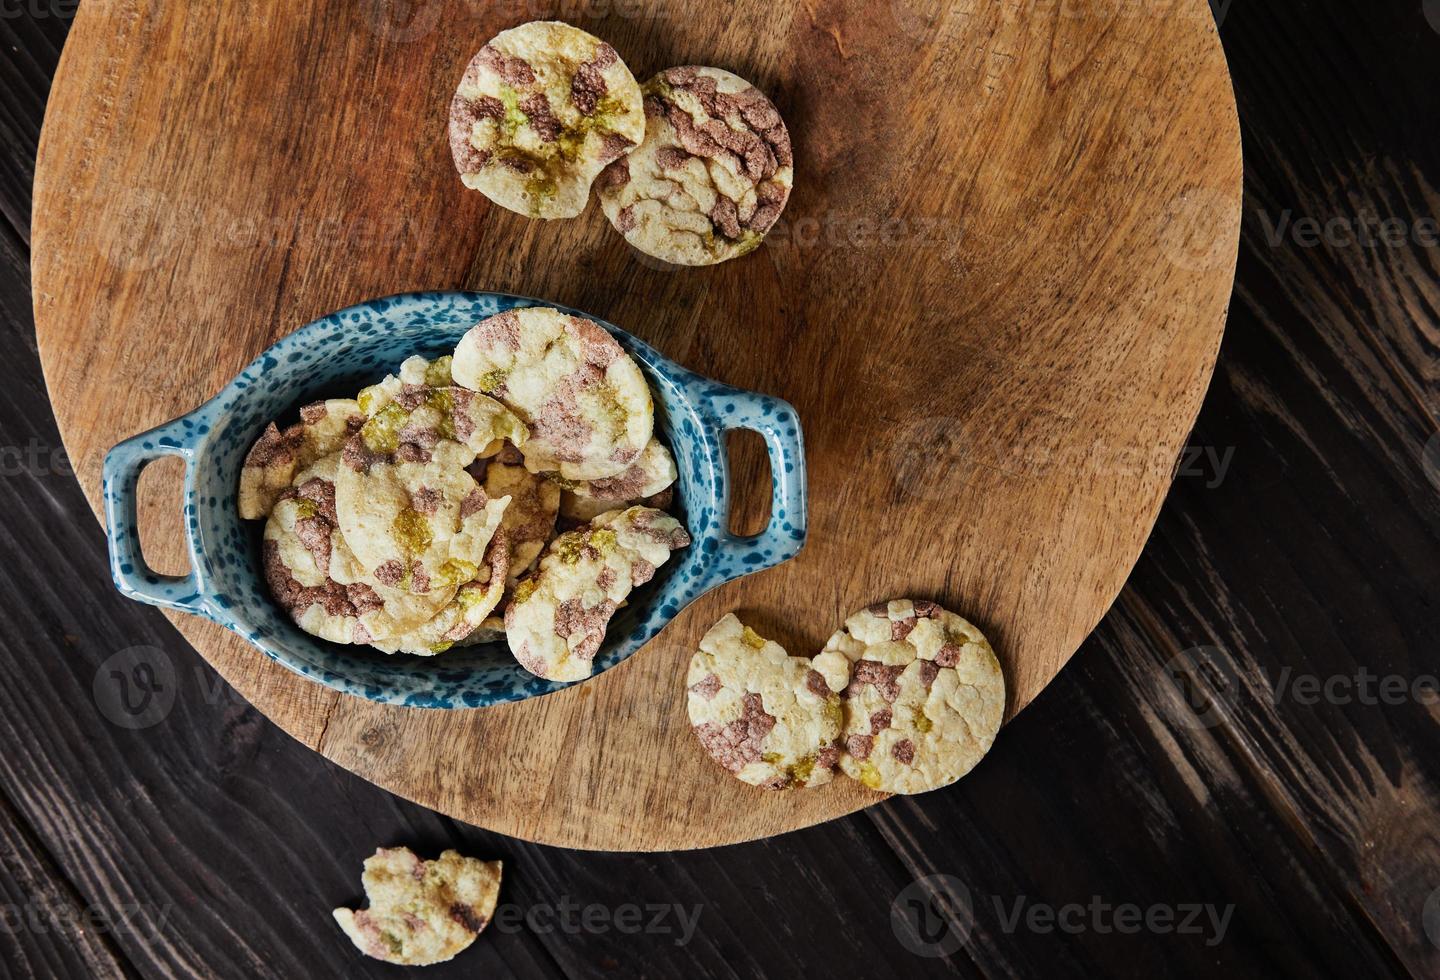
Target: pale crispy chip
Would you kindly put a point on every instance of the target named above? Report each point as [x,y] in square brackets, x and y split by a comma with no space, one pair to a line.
[769,718]
[539,112]
[313,575]
[584,401]
[417,521]
[530,518]
[278,455]
[925,696]
[643,481]
[422,412]
[490,631]
[465,614]
[555,622]
[421,912]
[712,174]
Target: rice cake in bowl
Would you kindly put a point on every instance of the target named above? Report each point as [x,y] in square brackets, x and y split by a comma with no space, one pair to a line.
[925,697]
[315,577]
[644,481]
[587,408]
[418,522]
[399,412]
[462,616]
[558,615]
[276,457]
[529,521]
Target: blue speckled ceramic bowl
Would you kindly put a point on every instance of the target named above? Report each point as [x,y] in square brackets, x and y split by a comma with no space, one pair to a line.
[336,357]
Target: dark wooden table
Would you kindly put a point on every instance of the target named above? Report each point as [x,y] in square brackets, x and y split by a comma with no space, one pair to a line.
[1237,775]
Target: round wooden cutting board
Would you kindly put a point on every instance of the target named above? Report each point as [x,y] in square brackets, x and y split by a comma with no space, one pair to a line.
[995,298]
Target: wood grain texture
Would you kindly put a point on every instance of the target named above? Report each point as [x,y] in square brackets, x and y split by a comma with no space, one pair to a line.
[1314,552]
[32,48]
[995,383]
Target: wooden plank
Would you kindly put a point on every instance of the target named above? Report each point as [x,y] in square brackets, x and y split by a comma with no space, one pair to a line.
[1340,299]
[31,42]
[48,931]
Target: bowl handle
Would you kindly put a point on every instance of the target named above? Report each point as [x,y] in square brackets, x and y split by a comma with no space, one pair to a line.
[133,577]
[778,424]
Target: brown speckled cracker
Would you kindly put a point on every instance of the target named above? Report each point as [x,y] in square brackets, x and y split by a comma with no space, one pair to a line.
[584,400]
[313,575]
[712,174]
[530,518]
[278,454]
[539,112]
[421,912]
[417,521]
[421,406]
[646,481]
[556,619]
[416,370]
[473,603]
[771,719]
[925,697]
[490,631]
